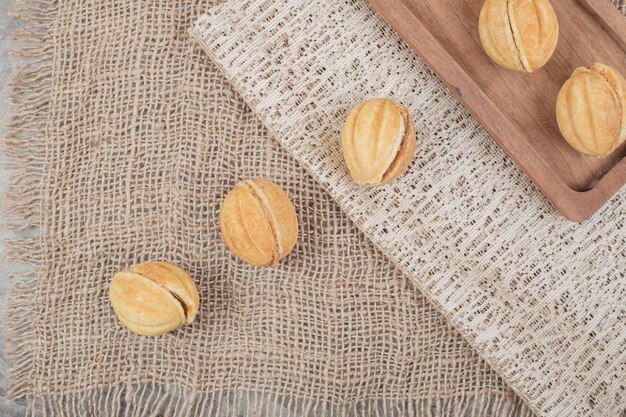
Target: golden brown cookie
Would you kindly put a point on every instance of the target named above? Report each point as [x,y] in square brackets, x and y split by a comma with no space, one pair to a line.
[591,110]
[259,222]
[519,34]
[154,298]
[378,142]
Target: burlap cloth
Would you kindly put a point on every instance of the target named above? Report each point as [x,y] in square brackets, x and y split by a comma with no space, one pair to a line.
[124,141]
[541,298]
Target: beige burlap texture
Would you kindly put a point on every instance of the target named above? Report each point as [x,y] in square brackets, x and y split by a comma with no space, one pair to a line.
[541,298]
[124,141]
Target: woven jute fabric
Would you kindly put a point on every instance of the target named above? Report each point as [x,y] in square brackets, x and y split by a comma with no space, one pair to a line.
[124,140]
[543,299]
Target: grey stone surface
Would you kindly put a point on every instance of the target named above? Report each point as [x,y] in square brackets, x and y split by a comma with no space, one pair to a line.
[7,64]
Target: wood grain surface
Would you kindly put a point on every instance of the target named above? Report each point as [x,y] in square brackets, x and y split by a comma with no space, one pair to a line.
[518,109]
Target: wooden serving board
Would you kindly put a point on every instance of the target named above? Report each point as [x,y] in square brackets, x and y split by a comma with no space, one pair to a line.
[517,109]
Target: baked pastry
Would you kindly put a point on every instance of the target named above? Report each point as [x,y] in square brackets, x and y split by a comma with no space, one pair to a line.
[154,298]
[519,34]
[591,110]
[259,222]
[378,142]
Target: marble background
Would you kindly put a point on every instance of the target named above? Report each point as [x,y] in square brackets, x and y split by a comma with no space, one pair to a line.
[7,27]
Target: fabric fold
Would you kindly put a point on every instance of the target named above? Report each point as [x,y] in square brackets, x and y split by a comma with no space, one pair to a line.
[542,299]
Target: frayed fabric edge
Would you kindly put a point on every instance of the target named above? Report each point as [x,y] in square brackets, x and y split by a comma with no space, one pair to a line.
[152,399]
[23,145]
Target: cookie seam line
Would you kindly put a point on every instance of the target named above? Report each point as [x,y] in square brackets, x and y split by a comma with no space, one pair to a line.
[599,73]
[516,47]
[262,199]
[160,285]
[406,119]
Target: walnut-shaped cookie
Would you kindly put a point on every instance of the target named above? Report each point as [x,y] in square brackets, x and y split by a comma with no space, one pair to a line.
[154,298]
[591,110]
[378,142]
[258,222]
[519,34]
